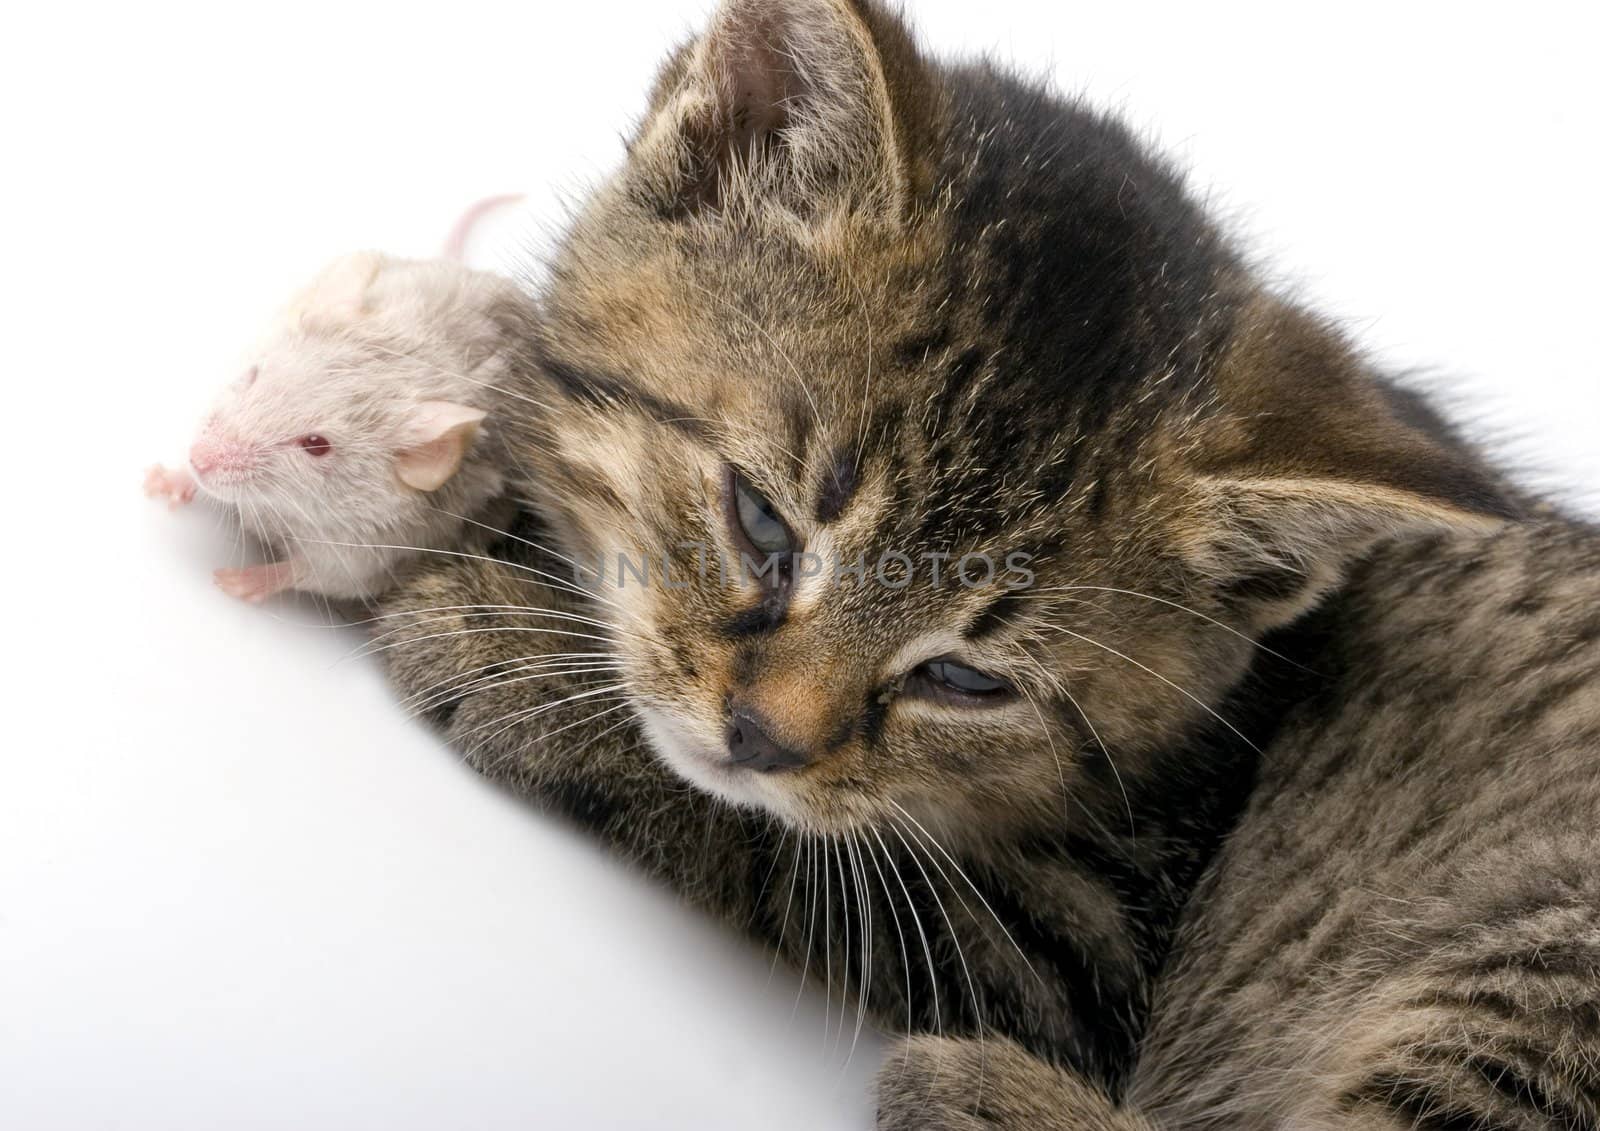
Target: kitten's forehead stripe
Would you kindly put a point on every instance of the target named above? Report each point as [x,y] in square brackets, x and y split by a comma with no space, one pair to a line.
[604,390]
[800,424]
[916,350]
[839,483]
[1000,613]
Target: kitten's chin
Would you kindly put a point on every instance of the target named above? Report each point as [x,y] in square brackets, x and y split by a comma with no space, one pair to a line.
[701,763]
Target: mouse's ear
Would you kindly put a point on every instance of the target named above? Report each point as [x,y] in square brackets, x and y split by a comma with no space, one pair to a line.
[339,294]
[434,442]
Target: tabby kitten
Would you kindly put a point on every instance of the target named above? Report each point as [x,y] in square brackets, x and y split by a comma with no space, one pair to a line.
[1075,481]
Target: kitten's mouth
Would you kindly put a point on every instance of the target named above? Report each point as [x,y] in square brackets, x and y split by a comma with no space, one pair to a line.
[705,764]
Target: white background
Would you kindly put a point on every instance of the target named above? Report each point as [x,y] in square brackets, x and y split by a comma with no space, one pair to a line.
[237,889]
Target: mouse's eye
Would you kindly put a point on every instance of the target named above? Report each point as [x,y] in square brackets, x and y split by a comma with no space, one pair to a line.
[315,445]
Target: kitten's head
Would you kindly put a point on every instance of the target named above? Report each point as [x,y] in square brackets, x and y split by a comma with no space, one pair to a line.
[1052,459]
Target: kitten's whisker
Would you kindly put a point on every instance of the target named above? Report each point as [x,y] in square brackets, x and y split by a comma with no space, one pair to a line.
[474,749]
[1228,628]
[866,392]
[788,904]
[977,1011]
[1105,752]
[777,854]
[587,719]
[623,705]
[827,940]
[417,632]
[541,547]
[518,717]
[498,682]
[916,921]
[864,908]
[905,955]
[955,938]
[420,621]
[811,920]
[504,610]
[844,953]
[932,840]
[1061,774]
[344,562]
[548,578]
[557,662]
[586,690]
[484,632]
[471,673]
[1193,698]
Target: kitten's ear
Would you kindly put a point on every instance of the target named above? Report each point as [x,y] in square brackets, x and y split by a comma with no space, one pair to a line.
[1318,461]
[434,443]
[819,105]
[339,295]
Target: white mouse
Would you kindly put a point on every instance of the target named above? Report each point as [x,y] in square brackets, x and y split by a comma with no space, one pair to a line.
[365,433]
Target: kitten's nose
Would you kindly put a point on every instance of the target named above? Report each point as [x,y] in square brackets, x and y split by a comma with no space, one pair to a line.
[751,745]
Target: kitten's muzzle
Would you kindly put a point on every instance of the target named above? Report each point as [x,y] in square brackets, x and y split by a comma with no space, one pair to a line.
[752,747]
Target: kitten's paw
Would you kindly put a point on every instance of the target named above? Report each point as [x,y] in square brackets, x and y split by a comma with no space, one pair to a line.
[930,1084]
[993,1084]
[177,487]
[255,583]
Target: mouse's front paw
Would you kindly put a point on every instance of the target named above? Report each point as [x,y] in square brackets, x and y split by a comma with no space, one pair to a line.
[177,487]
[256,583]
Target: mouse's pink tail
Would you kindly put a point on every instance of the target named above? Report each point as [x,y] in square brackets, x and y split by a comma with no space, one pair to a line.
[455,246]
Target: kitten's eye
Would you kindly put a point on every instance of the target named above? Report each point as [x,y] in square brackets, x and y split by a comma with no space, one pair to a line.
[758,520]
[315,445]
[946,679]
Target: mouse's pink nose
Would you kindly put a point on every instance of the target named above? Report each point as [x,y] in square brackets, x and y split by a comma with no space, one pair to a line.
[205,456]
[212,453]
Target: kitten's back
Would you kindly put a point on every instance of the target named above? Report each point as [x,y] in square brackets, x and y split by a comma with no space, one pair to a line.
[1405,929]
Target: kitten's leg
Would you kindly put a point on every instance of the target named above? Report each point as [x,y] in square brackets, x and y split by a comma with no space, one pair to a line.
[943,1084]
[256,583]
[177,487]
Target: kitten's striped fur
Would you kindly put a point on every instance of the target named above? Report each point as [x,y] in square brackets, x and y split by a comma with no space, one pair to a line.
[1404,929]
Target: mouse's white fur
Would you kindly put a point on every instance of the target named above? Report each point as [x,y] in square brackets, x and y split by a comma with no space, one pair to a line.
[369,420]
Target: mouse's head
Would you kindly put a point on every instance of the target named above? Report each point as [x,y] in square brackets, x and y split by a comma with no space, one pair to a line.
[353,406]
